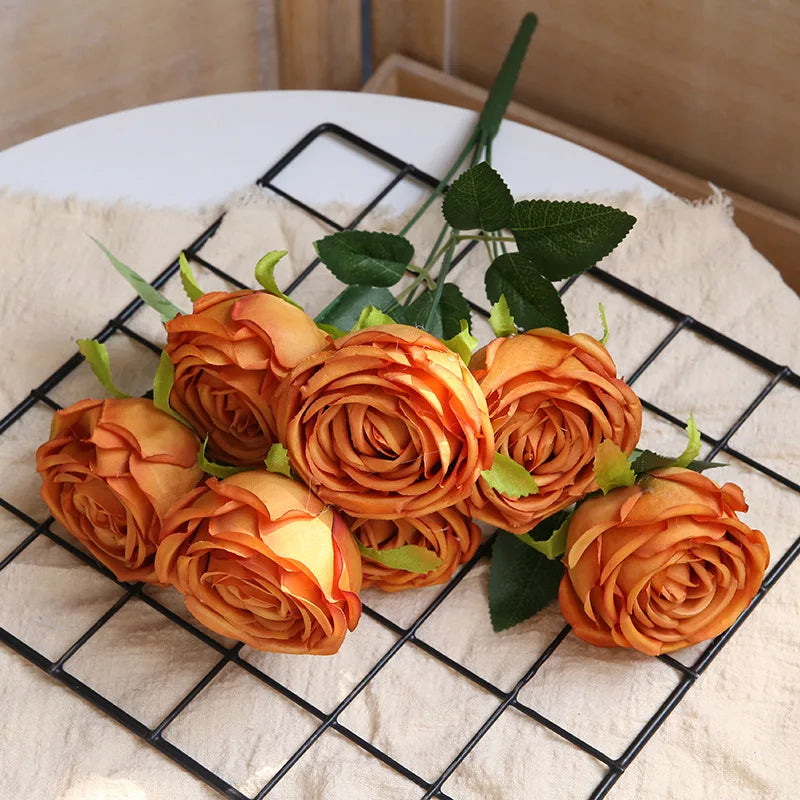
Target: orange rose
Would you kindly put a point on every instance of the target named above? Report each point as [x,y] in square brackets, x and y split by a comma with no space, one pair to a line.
[447,533]
[660,565]
[229,356]
[258,558]
[111,470]
[552,399]
[387,423]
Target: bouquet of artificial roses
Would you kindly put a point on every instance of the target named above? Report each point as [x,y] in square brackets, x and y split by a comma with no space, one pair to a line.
[283,462]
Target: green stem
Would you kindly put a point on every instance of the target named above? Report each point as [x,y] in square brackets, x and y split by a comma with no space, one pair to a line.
[440,279]
[483,237]
[474,137]
[405,297]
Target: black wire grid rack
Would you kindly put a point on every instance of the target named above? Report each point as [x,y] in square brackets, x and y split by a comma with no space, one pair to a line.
[687,674]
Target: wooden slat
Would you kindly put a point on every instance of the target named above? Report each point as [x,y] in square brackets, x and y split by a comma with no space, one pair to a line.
[62,62]
[320,44]
[415,28]
[710,87]
[775,234]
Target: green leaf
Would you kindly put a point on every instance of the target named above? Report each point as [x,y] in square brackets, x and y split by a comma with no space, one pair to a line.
[265,274]
[366,258]
[522,581]
[604,323]
[96,354]
[331,330]
[463,343]
[500,318]
[149,294]
[532,299]
[409,557]
[611,467]
[478,199]
[212,468]
[277,460]
[453,308]
[162,386]
[647,460]
[446,321]
[549,537]
[500,94]
[565,238]
[193,291]
[701,466]
[692,446]
[371,316]
[509,478]
[343,311]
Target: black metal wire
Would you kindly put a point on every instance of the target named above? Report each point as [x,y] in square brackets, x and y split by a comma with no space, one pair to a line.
[407,636]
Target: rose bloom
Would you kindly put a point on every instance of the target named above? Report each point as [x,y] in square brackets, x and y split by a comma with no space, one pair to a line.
[110,471]
[387,423]
[447,533]
[552,399]
[662,564]
[229,355]
[259,558]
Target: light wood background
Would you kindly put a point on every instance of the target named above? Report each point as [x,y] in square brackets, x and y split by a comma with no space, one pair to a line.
[711,87]
[64,61]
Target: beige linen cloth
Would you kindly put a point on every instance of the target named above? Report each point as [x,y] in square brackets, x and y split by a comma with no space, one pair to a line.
[735,735]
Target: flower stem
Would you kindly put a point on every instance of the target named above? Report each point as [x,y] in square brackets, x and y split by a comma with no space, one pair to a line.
[483,237]
[472,142]
[405,297]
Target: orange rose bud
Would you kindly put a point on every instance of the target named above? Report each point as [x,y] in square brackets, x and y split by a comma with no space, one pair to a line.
[229,356]
[447,533]
[110,472]
[259,558]
[662,564]
[387,423]
[552,399]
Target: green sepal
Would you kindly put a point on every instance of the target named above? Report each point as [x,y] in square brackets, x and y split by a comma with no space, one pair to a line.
[188,281]
[409,557]
[532,298]
[212,468]
[277,460]
[549,537]
[331,330]
[509,478]
[500,318]
[371,316]
[149,294]
[604,323]
[162,386]
[611,467]
[645,461]
[265,275]
[522,581]
[365,258]
[96,355]
[344,310]
[463,343]
[478,199]
[692,446]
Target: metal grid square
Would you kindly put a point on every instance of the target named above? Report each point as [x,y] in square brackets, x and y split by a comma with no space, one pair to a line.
[514,706]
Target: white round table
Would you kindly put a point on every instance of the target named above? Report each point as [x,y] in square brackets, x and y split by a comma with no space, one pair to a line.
[193,153]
